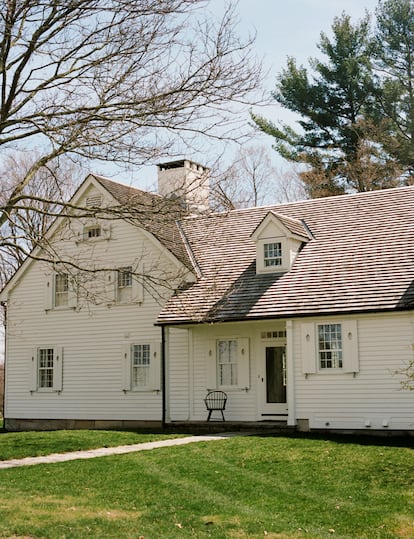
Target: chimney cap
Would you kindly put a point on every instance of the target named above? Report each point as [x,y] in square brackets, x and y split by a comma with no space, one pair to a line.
[181,163]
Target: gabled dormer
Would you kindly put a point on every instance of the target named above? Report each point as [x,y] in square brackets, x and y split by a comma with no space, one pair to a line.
[278,240]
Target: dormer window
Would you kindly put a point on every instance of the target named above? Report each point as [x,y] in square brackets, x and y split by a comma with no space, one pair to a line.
[272,254]
[278,240]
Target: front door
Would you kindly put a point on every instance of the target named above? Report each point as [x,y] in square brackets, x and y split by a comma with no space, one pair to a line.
[273,381]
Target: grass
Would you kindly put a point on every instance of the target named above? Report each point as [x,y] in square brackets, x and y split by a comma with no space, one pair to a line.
[244,487]
[33,444]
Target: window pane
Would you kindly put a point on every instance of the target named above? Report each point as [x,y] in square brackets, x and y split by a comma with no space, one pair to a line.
[330,346]
[61,289]
[45,367]
[227,362]
[140,365]
[273,254]
[90,232]
[125,277]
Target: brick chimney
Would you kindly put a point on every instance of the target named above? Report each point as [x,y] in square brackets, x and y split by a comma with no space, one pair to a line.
[186,181]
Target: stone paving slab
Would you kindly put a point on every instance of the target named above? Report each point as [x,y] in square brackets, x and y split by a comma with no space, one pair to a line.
[106,451]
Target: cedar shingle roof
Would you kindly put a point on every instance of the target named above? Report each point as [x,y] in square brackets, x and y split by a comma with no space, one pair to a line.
[293,225]
[361,258]
[158,215]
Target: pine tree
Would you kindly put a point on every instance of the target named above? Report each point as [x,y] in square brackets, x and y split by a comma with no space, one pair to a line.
[345,139]
[394,65]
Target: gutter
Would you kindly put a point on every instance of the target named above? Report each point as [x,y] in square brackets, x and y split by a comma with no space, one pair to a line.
[4,305]
[293,316]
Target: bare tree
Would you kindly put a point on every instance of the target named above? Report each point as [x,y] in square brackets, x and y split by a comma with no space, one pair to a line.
[121,81]
[29,221]
[289,186]
[253,180]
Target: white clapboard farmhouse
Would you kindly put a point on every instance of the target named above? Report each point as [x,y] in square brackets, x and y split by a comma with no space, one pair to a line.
[303,313]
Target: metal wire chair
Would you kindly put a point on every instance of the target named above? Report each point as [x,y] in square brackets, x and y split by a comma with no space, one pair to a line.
[215,401]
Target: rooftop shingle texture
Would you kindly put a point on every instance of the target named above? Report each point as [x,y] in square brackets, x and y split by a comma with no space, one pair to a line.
[152,212]
[361,258]
[293,225]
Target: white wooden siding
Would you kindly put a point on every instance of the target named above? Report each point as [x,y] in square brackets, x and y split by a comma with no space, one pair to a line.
[372,398]
[242,404]
[178,374]
[92,339]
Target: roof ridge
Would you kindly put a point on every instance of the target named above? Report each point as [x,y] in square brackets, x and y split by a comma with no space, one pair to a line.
[103,179]
[270,207]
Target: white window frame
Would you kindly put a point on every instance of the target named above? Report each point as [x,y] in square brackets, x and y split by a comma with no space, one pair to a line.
[61,290]
[330,346]
[227,360]
[272,254]
[51,291]
[129,288]
[54,370]
[153,378]
[124,277]
[87,231]
[284,257]
[92,232]
[310,349]
[242,369]
[141,365]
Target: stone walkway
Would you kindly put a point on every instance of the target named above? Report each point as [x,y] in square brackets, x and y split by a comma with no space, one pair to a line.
[106,451]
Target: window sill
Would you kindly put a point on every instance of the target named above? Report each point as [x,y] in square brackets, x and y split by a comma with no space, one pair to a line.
[64,308]
[142,390]
[44,390]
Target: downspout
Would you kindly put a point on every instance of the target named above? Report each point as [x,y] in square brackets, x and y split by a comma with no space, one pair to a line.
[4,305]
[163,378]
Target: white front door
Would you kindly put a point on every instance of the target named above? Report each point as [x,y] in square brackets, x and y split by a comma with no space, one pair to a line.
[272,381]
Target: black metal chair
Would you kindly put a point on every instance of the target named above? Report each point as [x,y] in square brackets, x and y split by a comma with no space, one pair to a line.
[215,401]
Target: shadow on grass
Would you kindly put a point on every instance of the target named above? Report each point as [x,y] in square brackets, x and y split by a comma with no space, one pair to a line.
[387,439]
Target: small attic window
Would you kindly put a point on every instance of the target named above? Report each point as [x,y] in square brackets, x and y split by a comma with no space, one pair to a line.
[91,232]
[272,254]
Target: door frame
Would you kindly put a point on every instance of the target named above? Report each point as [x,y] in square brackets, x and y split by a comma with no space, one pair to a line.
[269,410]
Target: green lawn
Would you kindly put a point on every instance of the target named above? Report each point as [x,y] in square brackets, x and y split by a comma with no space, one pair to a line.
[33,444]
[244,487]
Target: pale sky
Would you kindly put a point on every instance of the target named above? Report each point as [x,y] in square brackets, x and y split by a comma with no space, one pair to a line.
[283,28]
[291,28]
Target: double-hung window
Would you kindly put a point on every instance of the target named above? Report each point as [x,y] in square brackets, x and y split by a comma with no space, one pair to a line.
[227,362]
[46,369]
[330,346]
[45,364]
[125,277]
[61,290]
[272,254]
[124,285]
[141,364]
